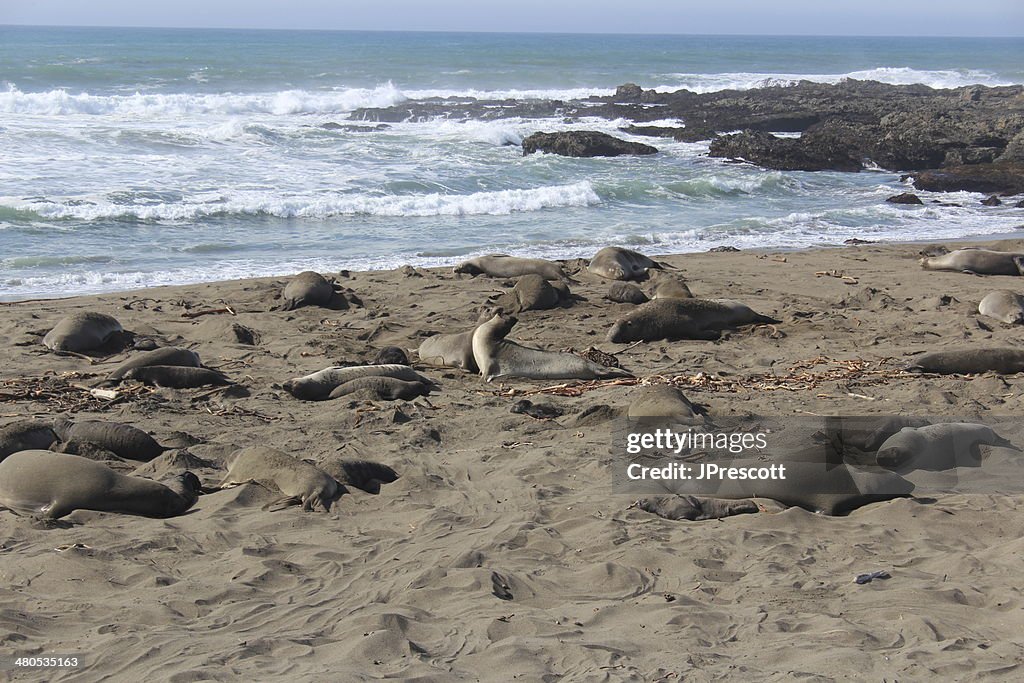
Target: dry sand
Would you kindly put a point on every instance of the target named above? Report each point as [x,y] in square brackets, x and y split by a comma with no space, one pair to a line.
[402,584]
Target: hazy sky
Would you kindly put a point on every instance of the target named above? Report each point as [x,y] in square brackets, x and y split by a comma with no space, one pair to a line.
[820,17]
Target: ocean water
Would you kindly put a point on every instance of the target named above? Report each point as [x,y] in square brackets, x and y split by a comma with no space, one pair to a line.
[137,157]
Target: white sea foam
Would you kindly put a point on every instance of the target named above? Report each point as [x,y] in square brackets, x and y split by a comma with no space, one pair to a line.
[942,78]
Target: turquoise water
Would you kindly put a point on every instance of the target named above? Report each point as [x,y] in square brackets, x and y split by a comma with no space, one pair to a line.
[136,157]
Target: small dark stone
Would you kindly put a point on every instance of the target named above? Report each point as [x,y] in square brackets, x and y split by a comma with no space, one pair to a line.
[992,201]
[725,248]
[904,198]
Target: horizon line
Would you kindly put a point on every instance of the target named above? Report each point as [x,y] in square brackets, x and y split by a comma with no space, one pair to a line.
[497,32]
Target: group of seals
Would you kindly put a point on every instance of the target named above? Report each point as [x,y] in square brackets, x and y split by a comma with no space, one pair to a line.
[979,261]
[322,384]
[674,319]
[52,485]
[83,331]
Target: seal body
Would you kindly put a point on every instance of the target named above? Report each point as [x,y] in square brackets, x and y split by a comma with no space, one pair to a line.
[319,385]
[937,447]
[682,319]
[390,355]
[308,288]
[499,358]
[980,261]
[502,265]
[124,441]
[659,401]
[168,355]
[454,350]
[293,477]
[1005,361]
[533,293]
[626,293]
[616,263]
[1003,305]
[26,435]
[52,485]
[82,331]
[383,388]
[362,474]
[176,376]
[669,287]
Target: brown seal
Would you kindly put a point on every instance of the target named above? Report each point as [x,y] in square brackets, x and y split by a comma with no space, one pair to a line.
[502,265]
[682,319]
[299,481]
[979,261]
[83,331]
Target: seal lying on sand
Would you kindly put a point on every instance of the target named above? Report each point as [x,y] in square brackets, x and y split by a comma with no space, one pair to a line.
[682,319]
[168,355]
[616,263]
[532,293]
[1003,305]
[26,435]
[938,447]
[502,265]
[319,385]
[361,474]
[1005,361]
[124,441]
[299,481]
[669,287]
[310,288]
[52,485]
[453,350]
[498,358]
[84,331]
[176,376]
[818,487]
[390,355]
[979,261]
[382,388]
[626,293]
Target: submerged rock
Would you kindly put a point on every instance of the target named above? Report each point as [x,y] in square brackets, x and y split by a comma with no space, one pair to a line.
[583,143]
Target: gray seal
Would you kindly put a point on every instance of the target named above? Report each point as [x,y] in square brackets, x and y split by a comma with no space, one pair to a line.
[978,261]
[669,287]
[532,293]
[1003,305]
[1005,361]
[616,263]
[167,355]
[124,441]
[361,474]
[390,355]
[452,350]
[26,435]
[626,293]
[498,358]
[682,319]
[660,402]
[319,385]
[52,485]
[503,265]
[938,447]
[310,288]
[83,331]
[382,388]
[299,481]
[177,377]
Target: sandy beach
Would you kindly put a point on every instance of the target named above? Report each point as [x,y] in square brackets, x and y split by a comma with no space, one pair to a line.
[502,551]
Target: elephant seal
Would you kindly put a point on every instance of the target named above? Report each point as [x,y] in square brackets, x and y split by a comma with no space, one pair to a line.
[502,265]
[382,388]
[695,508]
[26,435]
[815,486]
[668,287]
[177,377]
[660,402]
[361,474]
[1005,361]
[453,350]
[168,355]
[937,447]
[979,261]
[83,331]
[390,355]
[498,358]
[682,319]
[319,385]
[616,263]
[310,288]
[532,293]
[299,481]
[122,440]
[626,293]
[1003,305]
[52,485]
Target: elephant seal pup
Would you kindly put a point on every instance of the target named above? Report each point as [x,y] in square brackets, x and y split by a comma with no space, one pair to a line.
[668,287]
[532,293]
[319,385]
[814,486]
[682,319]
[177,377]
[1003,305]
[502,265]
[695,508]
[937,447]
[26,435]
[626,293]
[979,261]
[660,402]
[122,440]
[361,474]
[453,350]
[382,388]
[84,331]
[1005,361]
[390,355]
[168,355]
[616,263]
[52,485]
[498,358]
[310,288]
[299,481]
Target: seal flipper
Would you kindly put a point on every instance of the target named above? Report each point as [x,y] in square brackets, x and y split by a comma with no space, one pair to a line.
[282,503]
[1019,262]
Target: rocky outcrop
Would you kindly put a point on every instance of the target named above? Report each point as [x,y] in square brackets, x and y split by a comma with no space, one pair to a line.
[783,154]
[583,143]
[999,178]
[904,198]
